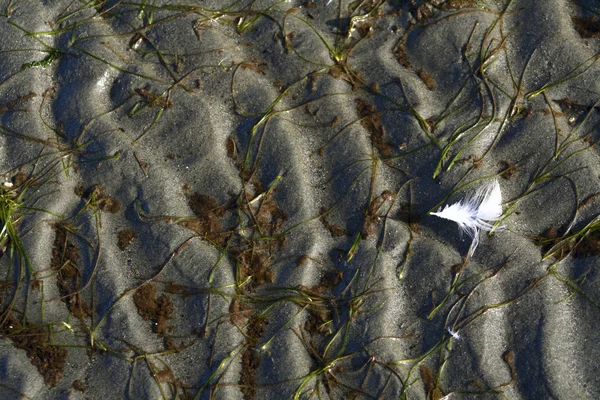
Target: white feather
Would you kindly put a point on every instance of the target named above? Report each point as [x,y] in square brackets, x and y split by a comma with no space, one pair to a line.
[455,335]
[475,213]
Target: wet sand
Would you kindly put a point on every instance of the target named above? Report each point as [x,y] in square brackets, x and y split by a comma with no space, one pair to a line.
[232,201]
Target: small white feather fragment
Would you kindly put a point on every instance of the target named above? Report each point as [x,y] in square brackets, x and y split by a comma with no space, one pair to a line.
[455,335]
[475,213]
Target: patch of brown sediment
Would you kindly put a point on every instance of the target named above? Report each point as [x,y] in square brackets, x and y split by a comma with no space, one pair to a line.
[509,359]
[270,218]
[573,110]
[413,220]
[509,171]
[430,382]
[254,258]
[373,218]
[331,279]
[126,236]
[302,260]
[426,10]
[49,360]
[153,99]
[99,199]
[255,66]
[321,315]
[165,377]
[423,13]
[318,321]
[36,284]
[426,78]
[587,27]
[250,357]
[587,201]
[371,121]
[369,223]
[399,51]
[232,148]
[458,4]
[547,239]
[255,264]
[589,246]
[207,222]
[11,105]
[65,258]
[158,310]
[239,312]
[335,230]
[79,385]
[356,79]
[20,179]
[472,159]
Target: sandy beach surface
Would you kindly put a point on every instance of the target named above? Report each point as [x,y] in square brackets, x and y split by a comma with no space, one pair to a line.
[222,199]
